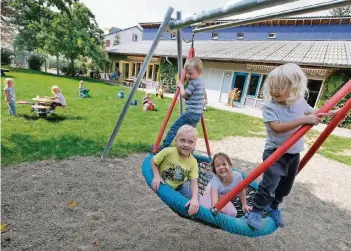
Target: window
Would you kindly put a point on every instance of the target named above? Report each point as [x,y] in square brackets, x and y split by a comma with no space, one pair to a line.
[272,35]
[240,35]
[135,37]
[173,36]
[151,67]
[254,81]
[107,43]
[156,72]
[314,87]
[214,35]
[260,92]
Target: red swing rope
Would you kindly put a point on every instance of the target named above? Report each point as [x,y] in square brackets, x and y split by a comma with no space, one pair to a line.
[290,142]
[191,54]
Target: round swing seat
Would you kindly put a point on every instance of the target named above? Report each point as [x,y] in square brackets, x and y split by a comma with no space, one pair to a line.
[176,202]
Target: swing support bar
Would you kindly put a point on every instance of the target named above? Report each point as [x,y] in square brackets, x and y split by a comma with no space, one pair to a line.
[290,142]
[142,71]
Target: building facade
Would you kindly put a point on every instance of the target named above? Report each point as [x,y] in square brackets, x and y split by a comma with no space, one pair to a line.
[128,35]
[245,63]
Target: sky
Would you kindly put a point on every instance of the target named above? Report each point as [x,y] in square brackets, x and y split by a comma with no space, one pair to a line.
[127,13]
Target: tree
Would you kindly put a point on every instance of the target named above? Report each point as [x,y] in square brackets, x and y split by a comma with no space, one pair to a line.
[78,33]
[342,11]
[117,40]
[7,31]
[31,17]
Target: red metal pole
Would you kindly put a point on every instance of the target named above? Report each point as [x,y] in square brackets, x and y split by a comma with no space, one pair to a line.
[281,150]
[191,54]
[205,136]
[324,135]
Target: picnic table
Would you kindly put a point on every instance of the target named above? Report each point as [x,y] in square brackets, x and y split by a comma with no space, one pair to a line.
[130,82]
[43,106]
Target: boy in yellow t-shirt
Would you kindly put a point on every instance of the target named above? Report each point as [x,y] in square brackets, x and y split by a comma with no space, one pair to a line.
[176,166]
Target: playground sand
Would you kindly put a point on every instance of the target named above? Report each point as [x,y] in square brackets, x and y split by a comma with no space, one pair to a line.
[85,204]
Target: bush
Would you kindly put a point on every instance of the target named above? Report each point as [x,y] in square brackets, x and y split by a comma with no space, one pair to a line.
[35,62]
[168,74]
[5,56]
[331,86]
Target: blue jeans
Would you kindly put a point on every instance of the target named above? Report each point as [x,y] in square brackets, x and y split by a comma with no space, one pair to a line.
[186,118]
[277,181]
[185,190]
[12,108]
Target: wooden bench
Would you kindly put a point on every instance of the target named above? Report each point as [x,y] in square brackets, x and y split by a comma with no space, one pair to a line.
[3,72]
[42,110]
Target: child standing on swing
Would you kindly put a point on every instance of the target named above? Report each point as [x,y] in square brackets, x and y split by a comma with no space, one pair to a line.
[194,99]
[284,111]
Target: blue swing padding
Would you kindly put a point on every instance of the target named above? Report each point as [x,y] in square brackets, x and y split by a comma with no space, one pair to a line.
[176,202]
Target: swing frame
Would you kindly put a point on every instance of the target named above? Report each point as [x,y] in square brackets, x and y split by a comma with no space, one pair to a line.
[244,6]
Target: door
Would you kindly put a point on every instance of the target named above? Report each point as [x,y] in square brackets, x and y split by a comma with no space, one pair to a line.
[239,82]
[227,80]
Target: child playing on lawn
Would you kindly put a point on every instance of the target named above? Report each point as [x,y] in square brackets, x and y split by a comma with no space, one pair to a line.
[284,111]
[160,91]
[83,92]
[176,166]
[10,96]
[224,180]
[194,99]
[59,99]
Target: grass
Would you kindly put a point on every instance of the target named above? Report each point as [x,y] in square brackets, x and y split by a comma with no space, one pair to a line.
[84,126]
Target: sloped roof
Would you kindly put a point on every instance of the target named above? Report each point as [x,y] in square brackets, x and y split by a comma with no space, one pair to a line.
[317,53]
[312,20]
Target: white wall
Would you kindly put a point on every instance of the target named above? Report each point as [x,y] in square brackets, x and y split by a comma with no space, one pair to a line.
[126,36]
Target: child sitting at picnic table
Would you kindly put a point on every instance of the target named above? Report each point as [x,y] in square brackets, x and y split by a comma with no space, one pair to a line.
[59,99]
[82,91]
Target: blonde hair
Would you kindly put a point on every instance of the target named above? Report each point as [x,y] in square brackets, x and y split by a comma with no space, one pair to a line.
[286,77]
[194,62]
[8,81]
[186,129]
[81,82]
[55,87]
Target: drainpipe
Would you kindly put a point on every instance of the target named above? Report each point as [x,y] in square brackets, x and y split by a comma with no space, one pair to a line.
[168,60]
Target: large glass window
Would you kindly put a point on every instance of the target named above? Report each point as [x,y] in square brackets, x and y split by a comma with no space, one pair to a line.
[150,71]
[156,72]
[260,92]
[253,85]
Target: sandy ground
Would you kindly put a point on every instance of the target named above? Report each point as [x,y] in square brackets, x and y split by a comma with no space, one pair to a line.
[117,211]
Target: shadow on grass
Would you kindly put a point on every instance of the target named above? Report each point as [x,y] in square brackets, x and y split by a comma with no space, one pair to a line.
[24,147]
[51,118]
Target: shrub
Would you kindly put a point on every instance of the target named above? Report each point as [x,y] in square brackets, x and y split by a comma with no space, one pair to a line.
[35,62]
[331,86]
[5,56]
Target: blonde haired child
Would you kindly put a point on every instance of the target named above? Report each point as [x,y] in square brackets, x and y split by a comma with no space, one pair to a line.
[194,99]
[284,111]
[82,91]
[224,180]
[59,99]
[176,166]
[10,96]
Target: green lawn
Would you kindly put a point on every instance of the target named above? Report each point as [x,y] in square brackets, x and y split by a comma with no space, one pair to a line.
[84,126]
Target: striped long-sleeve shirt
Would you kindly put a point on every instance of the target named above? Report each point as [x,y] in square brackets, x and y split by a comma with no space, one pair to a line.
[196,92]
